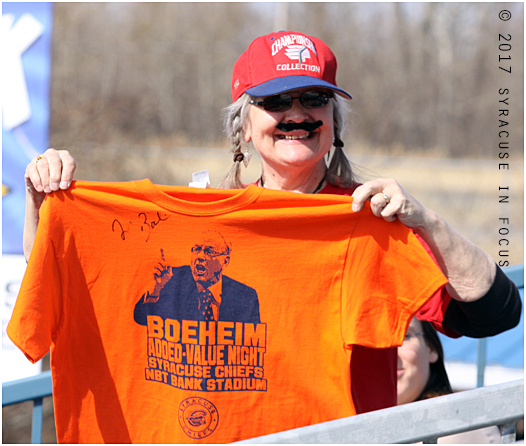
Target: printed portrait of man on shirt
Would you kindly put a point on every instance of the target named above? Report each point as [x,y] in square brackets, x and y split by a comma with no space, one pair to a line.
[200,291]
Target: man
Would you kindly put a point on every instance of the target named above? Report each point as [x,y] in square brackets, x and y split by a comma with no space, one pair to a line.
[200,291]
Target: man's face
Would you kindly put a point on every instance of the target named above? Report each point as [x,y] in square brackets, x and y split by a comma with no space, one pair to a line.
[208,260]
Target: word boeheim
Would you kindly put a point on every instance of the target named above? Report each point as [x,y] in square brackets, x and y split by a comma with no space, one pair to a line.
[206,356]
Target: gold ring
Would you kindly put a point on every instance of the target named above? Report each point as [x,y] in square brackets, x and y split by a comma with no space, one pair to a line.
[38,159]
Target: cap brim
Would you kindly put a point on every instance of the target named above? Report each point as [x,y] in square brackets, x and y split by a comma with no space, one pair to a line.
[281,84]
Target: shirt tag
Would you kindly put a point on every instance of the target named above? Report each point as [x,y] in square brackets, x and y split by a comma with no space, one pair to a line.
[200,180]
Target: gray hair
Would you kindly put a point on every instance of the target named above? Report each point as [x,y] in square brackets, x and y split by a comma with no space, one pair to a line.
[235,118]
[340,173]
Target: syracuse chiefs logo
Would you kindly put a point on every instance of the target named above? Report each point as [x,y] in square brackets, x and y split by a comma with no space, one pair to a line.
[299,49]
[198,417]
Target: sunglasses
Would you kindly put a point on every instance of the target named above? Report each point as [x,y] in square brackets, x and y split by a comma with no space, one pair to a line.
[282,102]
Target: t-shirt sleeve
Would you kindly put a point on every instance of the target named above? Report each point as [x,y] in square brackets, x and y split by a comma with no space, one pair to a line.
[387,277]
[434,309]
[37,309]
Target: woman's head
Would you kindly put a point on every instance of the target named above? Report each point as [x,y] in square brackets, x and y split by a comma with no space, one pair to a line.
[274,69]
[279,147]
[421,371]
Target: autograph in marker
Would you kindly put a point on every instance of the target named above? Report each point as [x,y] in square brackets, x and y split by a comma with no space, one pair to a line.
[144,225]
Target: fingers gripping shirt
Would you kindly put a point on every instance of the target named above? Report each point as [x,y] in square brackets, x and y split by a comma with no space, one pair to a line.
[113,284]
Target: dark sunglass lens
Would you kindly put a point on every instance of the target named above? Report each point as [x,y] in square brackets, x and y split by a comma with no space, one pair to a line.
[314,99]
[277,103]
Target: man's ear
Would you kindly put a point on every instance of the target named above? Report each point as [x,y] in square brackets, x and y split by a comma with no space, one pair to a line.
[226,261]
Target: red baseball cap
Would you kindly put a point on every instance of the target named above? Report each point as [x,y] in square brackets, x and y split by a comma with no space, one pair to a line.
[284,61]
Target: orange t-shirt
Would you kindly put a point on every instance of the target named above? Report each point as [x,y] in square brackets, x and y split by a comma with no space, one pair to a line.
[113,286]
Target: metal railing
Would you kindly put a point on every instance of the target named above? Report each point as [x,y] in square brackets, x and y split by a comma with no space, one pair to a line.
[428,420]
[34,388]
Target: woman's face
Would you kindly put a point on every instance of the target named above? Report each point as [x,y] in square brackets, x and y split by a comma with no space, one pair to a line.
[299,148]
[414,359]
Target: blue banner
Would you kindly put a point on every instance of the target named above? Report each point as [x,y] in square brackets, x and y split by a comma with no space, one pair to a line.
[26,67]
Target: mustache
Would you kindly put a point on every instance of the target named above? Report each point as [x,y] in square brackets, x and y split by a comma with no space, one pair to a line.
[307,126]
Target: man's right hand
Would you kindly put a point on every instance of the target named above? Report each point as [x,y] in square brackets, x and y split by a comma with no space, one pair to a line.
[162,276]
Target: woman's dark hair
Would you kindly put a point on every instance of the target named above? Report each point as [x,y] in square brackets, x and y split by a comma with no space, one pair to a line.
[438,382]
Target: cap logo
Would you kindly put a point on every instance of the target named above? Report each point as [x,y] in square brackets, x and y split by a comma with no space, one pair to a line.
[299,49]
[297,52]
[295,40]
